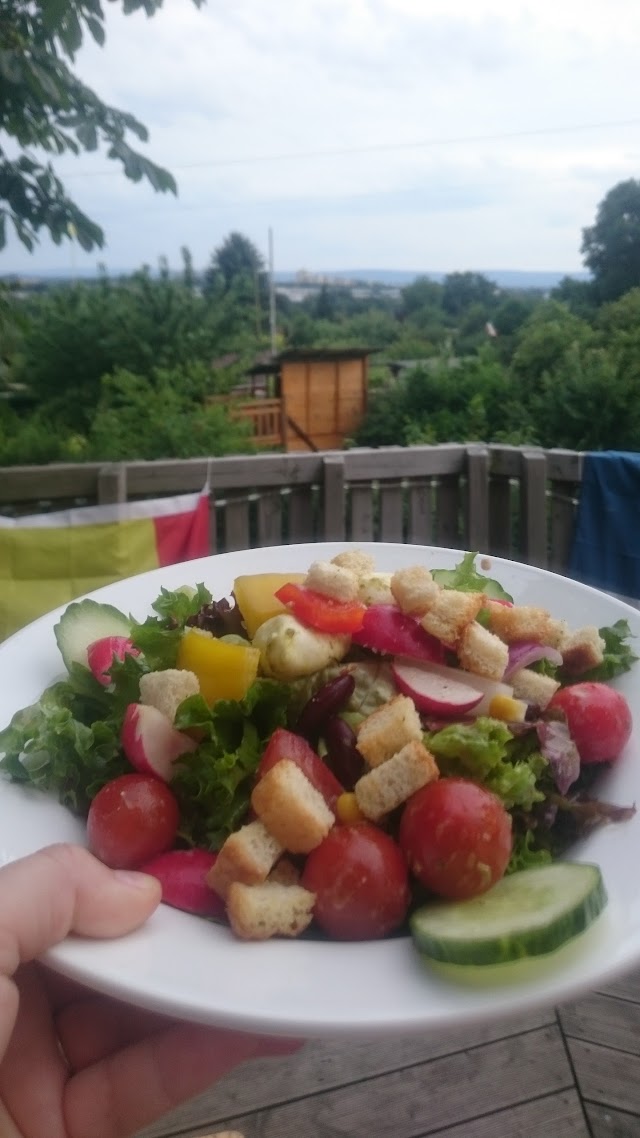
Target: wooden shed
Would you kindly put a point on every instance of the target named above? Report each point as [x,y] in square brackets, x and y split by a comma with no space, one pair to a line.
[314,398]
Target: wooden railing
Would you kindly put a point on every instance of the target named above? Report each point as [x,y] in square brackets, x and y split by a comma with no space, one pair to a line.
[508,501]
[267,417]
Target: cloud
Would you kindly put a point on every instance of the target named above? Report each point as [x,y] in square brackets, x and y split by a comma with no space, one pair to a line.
[381,132]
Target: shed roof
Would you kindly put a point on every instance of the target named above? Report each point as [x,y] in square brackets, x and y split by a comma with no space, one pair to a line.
[310,355]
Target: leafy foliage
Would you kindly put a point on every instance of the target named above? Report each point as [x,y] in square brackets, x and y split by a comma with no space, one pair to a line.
[144,418]
[611,246]
[44,106]
[136,368]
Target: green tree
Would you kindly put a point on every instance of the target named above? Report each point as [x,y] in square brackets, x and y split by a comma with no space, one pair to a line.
[461,290]
[44,106]
[438,402]
[141,417]
[543,342]
[421,294]
[77,334]
[237,259]
[587,403]
[579,296]
[611,246]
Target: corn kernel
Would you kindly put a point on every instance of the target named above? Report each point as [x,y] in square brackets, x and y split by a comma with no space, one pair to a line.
[507,708]
[347,809]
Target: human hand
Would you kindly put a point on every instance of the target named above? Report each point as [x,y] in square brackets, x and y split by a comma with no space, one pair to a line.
[78,1065]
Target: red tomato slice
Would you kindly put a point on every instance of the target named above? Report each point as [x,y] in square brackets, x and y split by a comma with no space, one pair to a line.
[360,880]
[456,837]
[598,718]
[132,819]
[326,614]
[287,745]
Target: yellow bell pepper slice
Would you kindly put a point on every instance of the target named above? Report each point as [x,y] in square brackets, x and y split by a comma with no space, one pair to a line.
[255,597]
[224,671]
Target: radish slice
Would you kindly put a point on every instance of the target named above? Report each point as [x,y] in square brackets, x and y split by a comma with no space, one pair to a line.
[525,652]
[151,742]
[437,694]
[482,688]
[183,876]
[386,629]
[101,654]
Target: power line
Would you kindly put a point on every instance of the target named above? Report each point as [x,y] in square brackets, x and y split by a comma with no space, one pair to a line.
[381,147]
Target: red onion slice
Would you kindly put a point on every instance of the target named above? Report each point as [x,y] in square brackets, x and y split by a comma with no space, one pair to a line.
[387,629]
[525,652]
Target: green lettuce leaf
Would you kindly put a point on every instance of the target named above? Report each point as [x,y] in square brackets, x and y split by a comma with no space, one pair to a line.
[466,579]
[526,853]
[213,785]
[487,752]
[619,657]
[158,637]
[62,745]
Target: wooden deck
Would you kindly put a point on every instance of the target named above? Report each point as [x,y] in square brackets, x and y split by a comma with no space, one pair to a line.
[569,1073]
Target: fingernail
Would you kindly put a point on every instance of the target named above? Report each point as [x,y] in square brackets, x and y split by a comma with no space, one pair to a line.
[132,879]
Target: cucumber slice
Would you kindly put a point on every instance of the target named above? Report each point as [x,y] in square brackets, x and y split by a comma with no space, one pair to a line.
[82,623]
[529,913]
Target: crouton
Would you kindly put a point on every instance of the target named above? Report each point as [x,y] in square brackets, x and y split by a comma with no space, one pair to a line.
[450,613]
[414,589]
[291,808]
[247,856]
[525,622]
[332,581]
[285,872]
[257,912]
[387,729]
[582,650]
[533,687]
[481,652]
[375,589]
[360,563]
[383,789]
[166,690]
[557,632]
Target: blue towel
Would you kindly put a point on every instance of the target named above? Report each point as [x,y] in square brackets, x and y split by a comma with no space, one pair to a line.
[606,543]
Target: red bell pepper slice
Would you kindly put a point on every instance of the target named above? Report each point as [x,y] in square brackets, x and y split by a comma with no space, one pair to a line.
[325,614]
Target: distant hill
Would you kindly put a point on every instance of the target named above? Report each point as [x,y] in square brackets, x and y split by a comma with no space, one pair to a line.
[392,278]
[398,278]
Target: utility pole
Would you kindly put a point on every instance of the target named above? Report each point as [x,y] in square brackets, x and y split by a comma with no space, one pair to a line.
[272,296]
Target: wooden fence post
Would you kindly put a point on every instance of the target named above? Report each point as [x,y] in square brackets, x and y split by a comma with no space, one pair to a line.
[333,478]
[533,505]
[477,527]
[112,484]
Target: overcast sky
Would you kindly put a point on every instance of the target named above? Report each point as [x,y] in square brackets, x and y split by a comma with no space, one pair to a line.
[428,135]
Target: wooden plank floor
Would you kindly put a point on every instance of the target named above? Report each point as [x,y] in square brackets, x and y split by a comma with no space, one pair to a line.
[572,1072]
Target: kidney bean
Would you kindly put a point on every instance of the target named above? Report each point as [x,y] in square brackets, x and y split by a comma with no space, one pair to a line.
[343,757]
[327,701]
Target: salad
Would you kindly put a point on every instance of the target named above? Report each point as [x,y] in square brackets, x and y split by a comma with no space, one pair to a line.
[344,753]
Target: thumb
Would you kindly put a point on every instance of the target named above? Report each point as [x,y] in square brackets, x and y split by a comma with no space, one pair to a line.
[63,889]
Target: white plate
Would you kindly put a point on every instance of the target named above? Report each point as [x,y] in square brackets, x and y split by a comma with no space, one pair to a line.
[188,967]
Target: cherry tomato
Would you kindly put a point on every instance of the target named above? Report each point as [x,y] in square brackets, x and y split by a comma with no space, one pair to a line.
[359,877]
[131,819]
[456,837]
[598,718]
[285,744]
[316,610]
